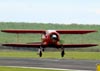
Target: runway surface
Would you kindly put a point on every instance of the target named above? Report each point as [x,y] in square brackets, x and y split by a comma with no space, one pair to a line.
[51,63]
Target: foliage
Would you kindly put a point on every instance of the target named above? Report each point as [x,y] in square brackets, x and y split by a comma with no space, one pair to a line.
[68,38]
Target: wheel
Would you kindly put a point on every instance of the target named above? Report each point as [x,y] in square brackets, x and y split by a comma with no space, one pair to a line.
[43,49]
[62,53]
[40,53]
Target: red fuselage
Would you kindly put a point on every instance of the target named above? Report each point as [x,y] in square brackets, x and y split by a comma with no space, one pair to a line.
[50,37]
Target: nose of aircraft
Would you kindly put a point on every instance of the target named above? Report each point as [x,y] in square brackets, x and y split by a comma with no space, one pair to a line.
[54,37]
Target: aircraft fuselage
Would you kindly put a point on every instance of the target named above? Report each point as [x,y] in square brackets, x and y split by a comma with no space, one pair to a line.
[50,37]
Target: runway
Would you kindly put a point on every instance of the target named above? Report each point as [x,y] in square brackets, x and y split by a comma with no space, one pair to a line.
[51,63]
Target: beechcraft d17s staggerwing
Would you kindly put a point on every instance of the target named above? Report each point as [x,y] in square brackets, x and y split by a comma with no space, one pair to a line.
[50,39]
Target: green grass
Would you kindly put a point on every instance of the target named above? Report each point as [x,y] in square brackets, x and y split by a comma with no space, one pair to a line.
[54,55]
[2,68]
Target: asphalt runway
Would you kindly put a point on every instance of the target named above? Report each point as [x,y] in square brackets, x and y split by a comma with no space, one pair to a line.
[51,63]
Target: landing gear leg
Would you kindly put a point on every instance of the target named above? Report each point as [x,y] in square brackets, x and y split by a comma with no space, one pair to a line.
[62,52]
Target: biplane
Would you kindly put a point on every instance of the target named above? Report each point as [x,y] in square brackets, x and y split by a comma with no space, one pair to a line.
[49,39]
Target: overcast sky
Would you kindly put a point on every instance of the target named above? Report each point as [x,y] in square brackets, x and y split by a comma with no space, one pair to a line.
[50,11]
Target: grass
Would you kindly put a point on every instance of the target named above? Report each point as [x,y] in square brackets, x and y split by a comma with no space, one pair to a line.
[54,55]
[2,68]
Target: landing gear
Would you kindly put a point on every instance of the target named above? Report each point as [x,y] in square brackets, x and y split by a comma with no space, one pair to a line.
[43,49]
[40,52]
[62,52]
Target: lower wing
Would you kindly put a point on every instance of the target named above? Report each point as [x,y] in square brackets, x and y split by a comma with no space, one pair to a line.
[78,45]
[39,45]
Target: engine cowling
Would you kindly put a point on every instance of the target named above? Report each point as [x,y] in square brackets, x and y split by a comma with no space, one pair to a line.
[50,37]
[53,37]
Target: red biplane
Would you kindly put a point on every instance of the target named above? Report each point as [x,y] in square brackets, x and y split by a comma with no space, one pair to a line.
[50,39]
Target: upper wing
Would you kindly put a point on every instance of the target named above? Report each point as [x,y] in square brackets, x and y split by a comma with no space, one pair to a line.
[43,31]
[64,45]
[75,31]
[23,31]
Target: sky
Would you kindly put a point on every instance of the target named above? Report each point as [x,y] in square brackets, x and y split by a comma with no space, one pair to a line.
[50,11]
